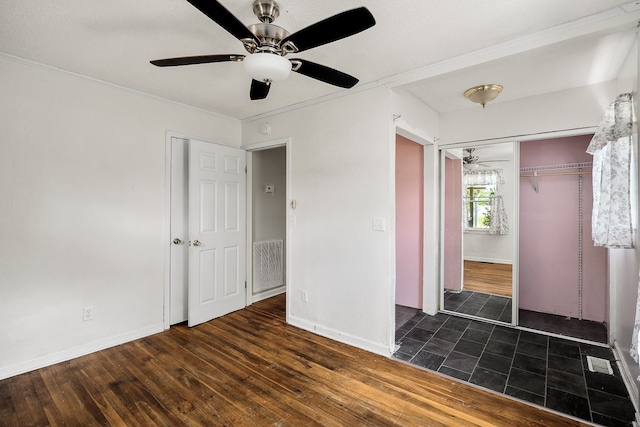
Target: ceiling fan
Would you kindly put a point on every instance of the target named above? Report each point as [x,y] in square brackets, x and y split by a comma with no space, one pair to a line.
[268,44]
[470,161]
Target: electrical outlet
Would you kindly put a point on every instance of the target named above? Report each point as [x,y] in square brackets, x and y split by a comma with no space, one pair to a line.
[87,313]
[305,296]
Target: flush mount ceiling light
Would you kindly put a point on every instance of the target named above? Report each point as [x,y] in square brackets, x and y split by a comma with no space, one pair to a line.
[483,93]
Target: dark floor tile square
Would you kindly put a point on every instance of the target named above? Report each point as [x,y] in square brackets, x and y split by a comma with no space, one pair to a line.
[564,348]
[506,315]
[525,395]
[452,305]
[611,405]
[441,317]
[468,308]
[419,334]
[481,326]
[488,379]
[527,381]
[464,376]
[490,311]
[534,338]
[529,363]
[402,356]
[531,349]
[495,299]
[440,347]
[459,297]
[478,296]
[401,333]
[606,383]
[409,346]
[428,360]
[565,364]
[495,363]
[567,382]
[568,403]
[500,348]
[596,351]
[603,420]
[469,347]
[450,335]
[475,335]
[430,323]
[461,362]
[456,324]
[500,333]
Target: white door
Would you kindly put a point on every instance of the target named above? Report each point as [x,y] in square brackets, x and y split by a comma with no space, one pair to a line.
[217,227]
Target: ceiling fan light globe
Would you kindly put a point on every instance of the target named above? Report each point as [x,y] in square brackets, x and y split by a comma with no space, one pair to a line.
[267,67]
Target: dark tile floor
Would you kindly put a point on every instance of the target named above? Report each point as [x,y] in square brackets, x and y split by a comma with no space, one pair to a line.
[487,306]
[535,368]
[569,327]
[497,308]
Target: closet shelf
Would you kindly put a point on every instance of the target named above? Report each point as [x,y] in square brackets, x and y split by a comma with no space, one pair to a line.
[556,167]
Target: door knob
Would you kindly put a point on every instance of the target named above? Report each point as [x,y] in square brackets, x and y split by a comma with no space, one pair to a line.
[196,243]
[177,241]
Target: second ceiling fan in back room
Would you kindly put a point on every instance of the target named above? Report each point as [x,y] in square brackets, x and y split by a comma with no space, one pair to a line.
[268,44]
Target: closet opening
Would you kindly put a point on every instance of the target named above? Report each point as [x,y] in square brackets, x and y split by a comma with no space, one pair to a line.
[563,286]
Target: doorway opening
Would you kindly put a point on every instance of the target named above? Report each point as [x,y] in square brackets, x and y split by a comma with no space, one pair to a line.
[409,190]
[268,226]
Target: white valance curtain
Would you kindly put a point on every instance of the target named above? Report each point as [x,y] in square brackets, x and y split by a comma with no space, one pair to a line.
[611,150]
[483,177]
[498,223]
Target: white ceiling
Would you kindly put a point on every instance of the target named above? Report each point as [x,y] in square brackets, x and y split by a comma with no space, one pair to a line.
[434,48]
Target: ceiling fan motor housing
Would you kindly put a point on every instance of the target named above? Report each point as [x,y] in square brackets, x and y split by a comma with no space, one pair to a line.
[266,10]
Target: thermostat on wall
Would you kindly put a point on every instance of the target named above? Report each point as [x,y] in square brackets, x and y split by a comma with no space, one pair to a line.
[269,188]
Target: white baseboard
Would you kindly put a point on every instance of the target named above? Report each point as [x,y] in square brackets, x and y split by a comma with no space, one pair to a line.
[72,353]
[268,294]
[340,336]
[491,260]
[629,380]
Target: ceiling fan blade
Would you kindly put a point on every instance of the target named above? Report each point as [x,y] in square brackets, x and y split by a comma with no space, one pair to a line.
[259,90]
[337,27]
[221,16]
[323,73]
[190,60]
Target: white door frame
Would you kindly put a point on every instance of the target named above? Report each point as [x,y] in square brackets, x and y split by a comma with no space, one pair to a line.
[249,148]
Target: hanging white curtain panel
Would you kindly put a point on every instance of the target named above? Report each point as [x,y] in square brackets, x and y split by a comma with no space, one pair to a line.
[611,150]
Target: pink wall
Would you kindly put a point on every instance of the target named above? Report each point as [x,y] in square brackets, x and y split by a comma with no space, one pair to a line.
[409,222]
[548,258]
[453,225]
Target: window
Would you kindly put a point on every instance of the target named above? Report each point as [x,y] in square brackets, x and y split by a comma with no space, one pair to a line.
[478,210]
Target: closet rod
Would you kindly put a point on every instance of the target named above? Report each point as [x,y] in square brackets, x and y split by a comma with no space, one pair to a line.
[556,173]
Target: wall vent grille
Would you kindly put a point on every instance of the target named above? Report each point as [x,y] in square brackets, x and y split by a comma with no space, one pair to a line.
[267,265]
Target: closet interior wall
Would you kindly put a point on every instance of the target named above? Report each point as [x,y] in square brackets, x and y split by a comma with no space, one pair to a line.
[561,272]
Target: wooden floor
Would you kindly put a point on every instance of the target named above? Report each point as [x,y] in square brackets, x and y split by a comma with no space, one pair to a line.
[488,278]
[250,368]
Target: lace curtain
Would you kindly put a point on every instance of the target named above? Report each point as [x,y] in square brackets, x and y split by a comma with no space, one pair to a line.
[483,177]
[498,221]
[611,150]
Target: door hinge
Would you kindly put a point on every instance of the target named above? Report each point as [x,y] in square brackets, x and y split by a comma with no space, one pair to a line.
[245,284]
[245,169]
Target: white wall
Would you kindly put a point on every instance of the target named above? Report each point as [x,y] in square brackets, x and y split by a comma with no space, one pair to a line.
[82,211]
[341,177]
